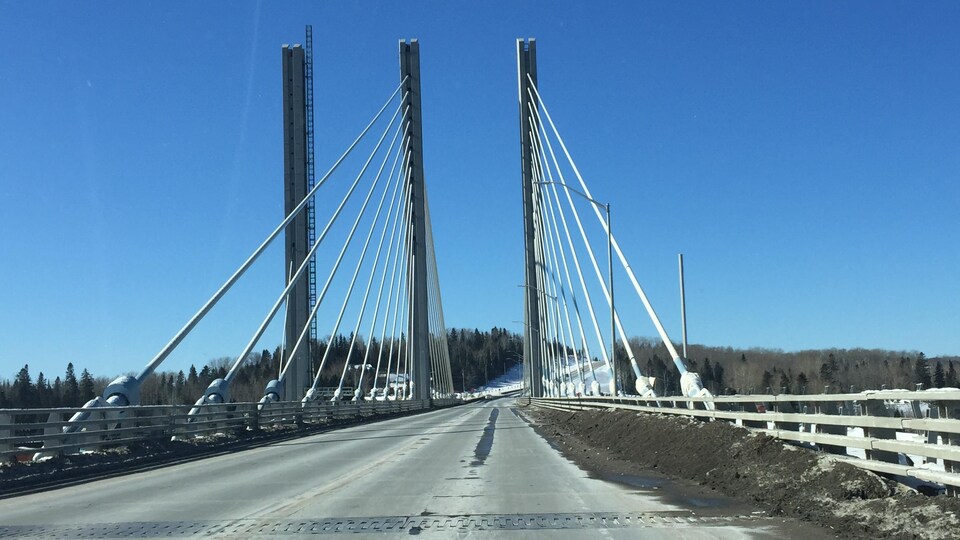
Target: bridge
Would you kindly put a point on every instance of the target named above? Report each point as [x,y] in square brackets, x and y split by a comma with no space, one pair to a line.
[393,449]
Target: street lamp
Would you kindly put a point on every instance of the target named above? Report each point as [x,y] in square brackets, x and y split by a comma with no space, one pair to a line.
[613,330]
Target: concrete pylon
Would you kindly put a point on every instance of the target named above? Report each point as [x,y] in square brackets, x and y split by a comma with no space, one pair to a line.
[532,361]
[419,331]
[297,376]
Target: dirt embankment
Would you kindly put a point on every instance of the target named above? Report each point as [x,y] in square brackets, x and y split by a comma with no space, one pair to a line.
[785,480]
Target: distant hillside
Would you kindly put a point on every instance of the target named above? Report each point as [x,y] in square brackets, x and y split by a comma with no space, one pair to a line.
[729,370]
[477,357]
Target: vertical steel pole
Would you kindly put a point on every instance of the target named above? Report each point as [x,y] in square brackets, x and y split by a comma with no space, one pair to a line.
[613,327]
[527,71]
[683,307]
[419,323]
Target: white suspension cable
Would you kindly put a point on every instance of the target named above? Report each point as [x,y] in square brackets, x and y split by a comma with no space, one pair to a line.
[394,286]
[553,220]
[445,346]
[560,295]
[283,342]
[343,250]
[556,233]
[356,272]
[401,290]
[583,285]
[401,208]
[558,287]
[616,246]
[300,270]
[546,268]
[549,338]
[593,260]
[644,385]
[408,320]
[172,344]
[373,272]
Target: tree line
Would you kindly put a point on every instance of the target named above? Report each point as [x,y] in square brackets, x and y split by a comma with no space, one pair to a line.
[476,357]
[728,370]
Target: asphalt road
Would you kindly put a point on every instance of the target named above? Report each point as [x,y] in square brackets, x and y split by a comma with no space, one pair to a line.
[476,471]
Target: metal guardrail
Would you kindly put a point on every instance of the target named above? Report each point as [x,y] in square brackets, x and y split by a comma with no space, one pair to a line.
[504,389]
[824,420]
[25,431]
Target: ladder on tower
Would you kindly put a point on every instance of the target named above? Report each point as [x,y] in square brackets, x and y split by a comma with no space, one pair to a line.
[311,180]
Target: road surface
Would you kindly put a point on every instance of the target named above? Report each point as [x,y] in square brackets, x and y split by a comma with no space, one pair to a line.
[475,471]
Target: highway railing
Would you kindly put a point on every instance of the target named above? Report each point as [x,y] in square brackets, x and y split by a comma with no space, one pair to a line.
[24,432]
[503,390]
[898,432]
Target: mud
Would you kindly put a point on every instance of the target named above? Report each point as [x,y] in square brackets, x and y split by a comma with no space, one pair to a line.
[756,469]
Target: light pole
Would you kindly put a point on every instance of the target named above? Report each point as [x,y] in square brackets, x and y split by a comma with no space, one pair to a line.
[683,307]
[613,330]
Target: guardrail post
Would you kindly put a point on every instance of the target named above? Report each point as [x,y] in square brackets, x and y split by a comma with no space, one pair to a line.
[55,418]
[170,422]
[253,419]
[5,419]
[213,418]
[298,419]
[786,407]
[949,465]
[92,441]
[945,411]
[830,407]
[876,407]
[935,411]
[754,407]
[177,421]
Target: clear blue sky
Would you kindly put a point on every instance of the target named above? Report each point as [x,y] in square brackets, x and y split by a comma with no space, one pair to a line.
[805,158]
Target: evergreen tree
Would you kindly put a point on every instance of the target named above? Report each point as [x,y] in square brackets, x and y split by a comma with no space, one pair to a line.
[951,379]
[828,371]
[718,377]
[86,387]
[939,378]
[56,398]
[71,388]
[785,385]
[921,371]
[192,377]
[23,390]
[766,382]
[42,390]
[266,368]
[706,375]
[170,391]
[180,386]
[802,382]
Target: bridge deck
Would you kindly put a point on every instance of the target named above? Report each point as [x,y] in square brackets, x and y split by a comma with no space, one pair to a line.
[478,468]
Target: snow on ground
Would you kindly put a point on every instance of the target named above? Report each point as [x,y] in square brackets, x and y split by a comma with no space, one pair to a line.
[588,372]
[511,378]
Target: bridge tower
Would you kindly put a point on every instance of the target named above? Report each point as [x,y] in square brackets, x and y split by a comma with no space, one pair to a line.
[532,361]
[295,187]
[419,331]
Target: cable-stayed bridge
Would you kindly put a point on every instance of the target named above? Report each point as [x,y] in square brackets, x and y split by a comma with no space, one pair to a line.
[360,261]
